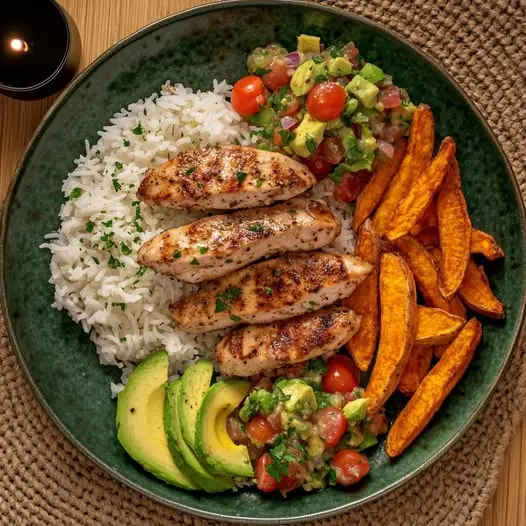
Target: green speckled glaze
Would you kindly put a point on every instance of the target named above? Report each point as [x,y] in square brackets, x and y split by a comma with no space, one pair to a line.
[193,48]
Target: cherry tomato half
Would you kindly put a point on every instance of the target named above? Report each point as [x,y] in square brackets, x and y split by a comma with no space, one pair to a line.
[248,95]
[332,425]
[326,101]
[319,167]
[260,431]
[277,76]
[265,481]
[341,375]
[350,466]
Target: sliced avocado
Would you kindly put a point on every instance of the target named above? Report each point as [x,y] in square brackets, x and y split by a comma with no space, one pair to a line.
[301,397]
[356,409]
[194,385]
[315,446]
[356,437]
[372,73]
[215,448]
[302,427]
[339,66]
[369,440]
[181,452]
[140,428]
[309,44]
[308,135]
[363,90]
[304,77]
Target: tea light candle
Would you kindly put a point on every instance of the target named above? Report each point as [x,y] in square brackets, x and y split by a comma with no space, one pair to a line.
[39,48]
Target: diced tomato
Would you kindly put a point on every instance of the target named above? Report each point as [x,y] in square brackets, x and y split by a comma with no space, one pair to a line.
[274,419]
[326,101]
[277,77]
[294,479]
[378,424]
[234,429]
[260,431]
[341,375]
[350,466]
[319,167]
[331,149]
[248,95]
[350,52]
[277,139]
[393,133]
[351,186]
[265,481]
[332,425]
[390,97]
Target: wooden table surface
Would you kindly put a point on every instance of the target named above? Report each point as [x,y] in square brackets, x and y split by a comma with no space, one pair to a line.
[103,22]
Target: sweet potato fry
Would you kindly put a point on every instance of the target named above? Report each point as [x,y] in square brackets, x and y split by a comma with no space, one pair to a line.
[364,300]
[485,244]
[422,192]
[429,220]
[428,237]
[454,229]
[477,295]
[415,370]
[434,389]
[397,329]
[437,326]
[374,190]
[419,152]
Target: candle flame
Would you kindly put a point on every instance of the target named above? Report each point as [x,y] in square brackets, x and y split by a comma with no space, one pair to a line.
[18,45]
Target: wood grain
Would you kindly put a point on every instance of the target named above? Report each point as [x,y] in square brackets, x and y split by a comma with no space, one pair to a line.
[101,24]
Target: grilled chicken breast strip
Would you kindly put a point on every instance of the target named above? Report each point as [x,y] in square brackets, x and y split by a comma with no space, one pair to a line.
[215,246]
[224,178]
[255,349]
[271,290]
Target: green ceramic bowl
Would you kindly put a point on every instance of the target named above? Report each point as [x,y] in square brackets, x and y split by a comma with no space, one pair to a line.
[193,48]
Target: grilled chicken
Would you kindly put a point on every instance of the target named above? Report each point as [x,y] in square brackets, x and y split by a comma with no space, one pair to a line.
[224,178]
[271,290]
[217,245]
[255,349]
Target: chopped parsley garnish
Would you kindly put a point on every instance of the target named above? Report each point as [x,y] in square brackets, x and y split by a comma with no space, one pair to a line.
[280,99]
[194,261]
[259,183]
[228,260]
[317,366]
[138,130]
[287,137]
[75,193]
[107,224]
[331,476]
[225,299]
[115,263]
[138,216]
[142,271]
[338,173]
[108,242]
[118,165]
[256,228]
[137,239]
[177,254]
[235,318]
[116,185]
[318,79]
[268,291]
[203,250]
[123,339]
[281,459]
[241,176]
[89,226]
[96,260]
[261,71]
[125,249]
[190,171]
[266,133]
[121,305]
[310,143]
[276,272]
[126,142]
[317,60]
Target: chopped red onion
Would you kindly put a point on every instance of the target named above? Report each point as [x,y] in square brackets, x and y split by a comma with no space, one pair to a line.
[287,123]
[386,148]
[292,60]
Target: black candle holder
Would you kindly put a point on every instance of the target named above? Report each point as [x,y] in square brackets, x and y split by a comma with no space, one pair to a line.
[40,49]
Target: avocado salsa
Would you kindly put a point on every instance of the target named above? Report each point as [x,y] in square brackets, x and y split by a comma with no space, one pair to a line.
[328,107]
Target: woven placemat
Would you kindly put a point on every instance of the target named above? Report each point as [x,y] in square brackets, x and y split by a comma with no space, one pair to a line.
[46,481]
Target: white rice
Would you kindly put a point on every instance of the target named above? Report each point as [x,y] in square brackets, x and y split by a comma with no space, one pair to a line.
[124,310]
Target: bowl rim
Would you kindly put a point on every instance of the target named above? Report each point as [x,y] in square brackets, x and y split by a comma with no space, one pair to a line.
[182,15]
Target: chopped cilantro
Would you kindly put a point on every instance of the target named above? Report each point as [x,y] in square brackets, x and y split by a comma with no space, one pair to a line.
[126,142]
[241,176]
[96,260]
[107,224]
[276,272]
[317,60]
[89,226]
[225,299]
[203,250]
[331,476]
[281,459]
[256,228]
[118,165]
[268,291]
[190,171]
[310,143]
[116,185]
[287,137]
[121,305]
[125,249]
[317,366]
[123,339]
[137,239]
[108,242]
[194,261]
[115,263]
[177,254]
[318,79]
[75,193]
[138,130]
[235,318]
[142,271]
[261,71]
